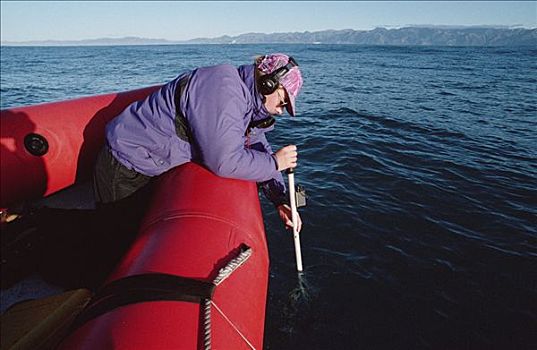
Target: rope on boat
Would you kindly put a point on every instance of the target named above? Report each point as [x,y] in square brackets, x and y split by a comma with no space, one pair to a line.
[207,324]
[231,266]
[223,274]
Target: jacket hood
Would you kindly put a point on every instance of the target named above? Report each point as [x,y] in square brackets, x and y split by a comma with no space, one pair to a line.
[247,74]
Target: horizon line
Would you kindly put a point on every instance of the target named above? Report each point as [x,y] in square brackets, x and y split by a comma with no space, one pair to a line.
[172,41]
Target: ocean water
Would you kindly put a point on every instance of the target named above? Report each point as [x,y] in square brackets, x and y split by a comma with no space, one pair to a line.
[420,165]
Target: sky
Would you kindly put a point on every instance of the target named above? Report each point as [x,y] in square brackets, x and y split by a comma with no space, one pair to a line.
[183,20]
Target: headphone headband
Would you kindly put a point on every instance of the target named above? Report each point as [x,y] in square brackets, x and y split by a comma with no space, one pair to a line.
[282,71]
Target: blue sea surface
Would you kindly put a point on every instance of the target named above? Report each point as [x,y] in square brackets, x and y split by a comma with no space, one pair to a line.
[420,165]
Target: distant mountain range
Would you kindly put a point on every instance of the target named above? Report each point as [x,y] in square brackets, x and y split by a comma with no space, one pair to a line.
[416,35]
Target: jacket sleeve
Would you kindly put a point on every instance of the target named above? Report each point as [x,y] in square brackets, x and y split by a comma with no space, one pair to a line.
[216,105]
[274,189]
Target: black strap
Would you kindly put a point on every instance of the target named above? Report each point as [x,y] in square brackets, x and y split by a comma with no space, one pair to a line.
[143,288]
[261,124]
[181,126]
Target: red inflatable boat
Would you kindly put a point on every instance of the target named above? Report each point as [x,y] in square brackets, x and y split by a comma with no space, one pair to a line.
[198,223]
[196,276]
[47,147]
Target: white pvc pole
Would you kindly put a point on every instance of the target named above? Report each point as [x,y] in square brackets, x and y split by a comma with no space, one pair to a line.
[294,218]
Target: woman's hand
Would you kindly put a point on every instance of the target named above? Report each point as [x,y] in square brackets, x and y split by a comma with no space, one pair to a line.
[286,157]
[285,214]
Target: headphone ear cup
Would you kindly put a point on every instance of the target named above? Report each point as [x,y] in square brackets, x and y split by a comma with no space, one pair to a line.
[267,85]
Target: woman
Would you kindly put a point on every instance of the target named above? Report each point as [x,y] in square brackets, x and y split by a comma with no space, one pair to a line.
[216,116]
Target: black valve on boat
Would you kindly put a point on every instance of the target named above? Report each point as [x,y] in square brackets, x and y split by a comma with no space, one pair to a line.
[36,144]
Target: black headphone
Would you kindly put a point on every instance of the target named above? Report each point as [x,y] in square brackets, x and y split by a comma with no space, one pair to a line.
[267,84]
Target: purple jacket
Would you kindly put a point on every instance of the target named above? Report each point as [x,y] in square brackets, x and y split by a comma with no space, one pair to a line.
[218,103]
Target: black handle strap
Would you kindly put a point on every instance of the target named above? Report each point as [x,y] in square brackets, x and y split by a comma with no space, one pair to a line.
[143,288]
